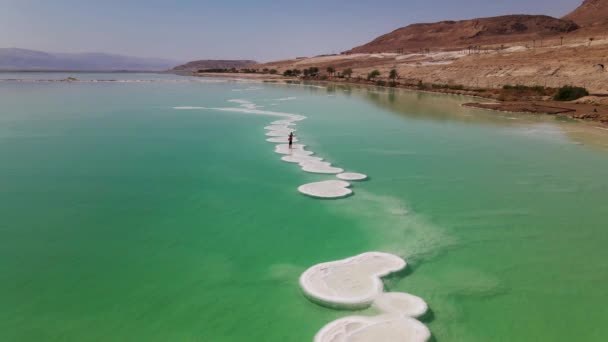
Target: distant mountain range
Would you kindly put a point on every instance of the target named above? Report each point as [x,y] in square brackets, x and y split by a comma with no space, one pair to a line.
[213,64]
[28,60]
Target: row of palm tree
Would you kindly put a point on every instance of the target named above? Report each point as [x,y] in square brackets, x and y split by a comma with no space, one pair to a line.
[393,75]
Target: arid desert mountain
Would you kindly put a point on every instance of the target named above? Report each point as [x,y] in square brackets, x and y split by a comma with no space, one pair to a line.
[23,59]
[487,52]
[460,34]
[213,64]
[590,13]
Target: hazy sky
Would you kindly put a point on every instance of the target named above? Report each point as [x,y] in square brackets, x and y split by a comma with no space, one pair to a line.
[262,30]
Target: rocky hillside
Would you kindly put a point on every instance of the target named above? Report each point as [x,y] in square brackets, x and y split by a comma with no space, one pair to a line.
[448,35]
[590,13]
[213,64]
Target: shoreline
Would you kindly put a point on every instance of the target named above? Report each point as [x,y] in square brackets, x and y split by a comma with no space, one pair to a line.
[596,112]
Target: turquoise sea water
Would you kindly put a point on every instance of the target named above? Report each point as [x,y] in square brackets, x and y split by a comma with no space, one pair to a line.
[124,219]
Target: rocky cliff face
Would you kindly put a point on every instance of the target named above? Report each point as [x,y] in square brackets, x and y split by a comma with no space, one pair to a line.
[461,34]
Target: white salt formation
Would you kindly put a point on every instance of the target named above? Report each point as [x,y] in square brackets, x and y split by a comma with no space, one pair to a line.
[296,149]
[325,189]
[281,140]
[383,328]
[400,303]
[352,176]
[349,283]
[319,167]
[355,283]
[283,122]
[279,128]
[277,134]
[300,158]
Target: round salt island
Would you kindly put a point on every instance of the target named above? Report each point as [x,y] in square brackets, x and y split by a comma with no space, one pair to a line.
[326,189]
[352,176]
[350,283]
[374,329]
[319,167]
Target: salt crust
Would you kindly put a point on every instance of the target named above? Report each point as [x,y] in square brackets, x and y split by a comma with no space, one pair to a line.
[383,328]
[300,158]
[281,140]
[279,128]
[283,122]
[400,303]
[320,167]
[352,176]
[296,149]
[325,189]
[355,283]
[278,134]
[350,283]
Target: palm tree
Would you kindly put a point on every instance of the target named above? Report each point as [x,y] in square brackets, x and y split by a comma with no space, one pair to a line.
[347,72]
[330,70]
[372,75]
[393,74]
[313,71]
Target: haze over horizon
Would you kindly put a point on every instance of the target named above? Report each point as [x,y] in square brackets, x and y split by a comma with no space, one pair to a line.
[265,30]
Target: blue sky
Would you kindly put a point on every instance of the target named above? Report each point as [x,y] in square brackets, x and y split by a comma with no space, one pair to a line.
[262,30]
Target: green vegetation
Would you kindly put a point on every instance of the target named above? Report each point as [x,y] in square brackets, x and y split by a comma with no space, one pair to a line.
[393,75]
[292,73]
[520,87]
[330,70]
[312,72]
[217,70]
[347,73]
[372,75]
[570,93]
[448,86]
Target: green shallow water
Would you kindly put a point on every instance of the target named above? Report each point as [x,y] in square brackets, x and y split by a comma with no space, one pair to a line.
[126,220]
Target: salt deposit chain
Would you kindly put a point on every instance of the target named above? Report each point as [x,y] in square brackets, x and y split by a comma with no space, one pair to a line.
[355,283]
